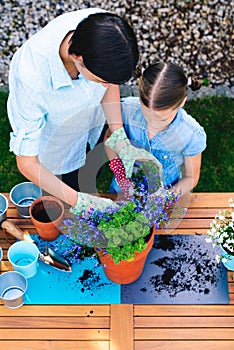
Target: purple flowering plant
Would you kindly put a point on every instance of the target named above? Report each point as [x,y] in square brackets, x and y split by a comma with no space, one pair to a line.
[122,231]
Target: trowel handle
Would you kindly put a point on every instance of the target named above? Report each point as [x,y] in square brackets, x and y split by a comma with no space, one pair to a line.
[15,231]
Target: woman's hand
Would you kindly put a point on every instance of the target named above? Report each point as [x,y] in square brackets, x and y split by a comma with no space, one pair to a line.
[86,201]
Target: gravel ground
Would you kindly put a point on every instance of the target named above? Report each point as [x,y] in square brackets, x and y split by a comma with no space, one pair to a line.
[196,34]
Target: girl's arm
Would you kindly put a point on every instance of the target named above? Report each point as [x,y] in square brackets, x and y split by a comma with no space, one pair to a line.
[118,141]
[109,152]
[192,166]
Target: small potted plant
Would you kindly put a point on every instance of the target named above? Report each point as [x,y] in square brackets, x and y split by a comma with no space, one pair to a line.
[122,237]
[221,233]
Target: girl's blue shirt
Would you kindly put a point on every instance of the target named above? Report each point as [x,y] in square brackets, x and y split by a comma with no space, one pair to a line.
[184,137]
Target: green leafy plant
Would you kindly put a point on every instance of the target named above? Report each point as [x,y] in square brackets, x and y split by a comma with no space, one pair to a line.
[124,231]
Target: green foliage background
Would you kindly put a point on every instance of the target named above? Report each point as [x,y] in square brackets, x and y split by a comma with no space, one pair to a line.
[215,114]
[9,174]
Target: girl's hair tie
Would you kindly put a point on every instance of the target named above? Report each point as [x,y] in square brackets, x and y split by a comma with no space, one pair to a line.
[138,71]
[189,81]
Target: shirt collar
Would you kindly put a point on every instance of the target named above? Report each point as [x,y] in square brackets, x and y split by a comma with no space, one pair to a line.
[175,122]
[59,74]
[177,119]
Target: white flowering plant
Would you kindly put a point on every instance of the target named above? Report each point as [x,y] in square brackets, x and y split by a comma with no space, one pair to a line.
[221,231]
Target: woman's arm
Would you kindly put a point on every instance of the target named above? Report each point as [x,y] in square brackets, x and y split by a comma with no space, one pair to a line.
[33,170]
[192,166]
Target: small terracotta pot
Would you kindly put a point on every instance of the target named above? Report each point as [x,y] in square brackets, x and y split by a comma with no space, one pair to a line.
[126,271]
[46,214]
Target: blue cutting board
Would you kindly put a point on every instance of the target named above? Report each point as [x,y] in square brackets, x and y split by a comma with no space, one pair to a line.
[86,284]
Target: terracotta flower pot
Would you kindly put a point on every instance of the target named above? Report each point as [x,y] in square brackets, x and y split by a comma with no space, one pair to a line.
[46,214]
[126,271]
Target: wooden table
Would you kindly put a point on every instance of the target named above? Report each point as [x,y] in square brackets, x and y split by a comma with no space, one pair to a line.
[123,327]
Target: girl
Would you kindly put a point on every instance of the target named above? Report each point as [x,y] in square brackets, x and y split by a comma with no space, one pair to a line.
[157,122]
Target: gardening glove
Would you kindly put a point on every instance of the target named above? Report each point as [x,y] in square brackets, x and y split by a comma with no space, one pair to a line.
[154,176]
[117,167]
[86,201]
[161,192]
[120,143]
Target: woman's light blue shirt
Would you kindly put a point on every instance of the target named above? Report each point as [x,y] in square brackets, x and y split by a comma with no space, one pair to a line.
[184,137]
[51,115]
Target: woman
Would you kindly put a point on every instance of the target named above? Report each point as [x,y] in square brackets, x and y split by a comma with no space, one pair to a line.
[58,79]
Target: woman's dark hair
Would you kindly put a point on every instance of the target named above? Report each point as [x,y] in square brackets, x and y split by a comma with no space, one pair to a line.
[108,46]
[164,85]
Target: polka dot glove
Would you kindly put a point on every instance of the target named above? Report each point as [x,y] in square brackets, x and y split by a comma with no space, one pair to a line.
[125,184]
[86,201]
[119,143]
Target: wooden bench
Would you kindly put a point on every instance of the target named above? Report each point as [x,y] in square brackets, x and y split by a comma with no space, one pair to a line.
[123,327]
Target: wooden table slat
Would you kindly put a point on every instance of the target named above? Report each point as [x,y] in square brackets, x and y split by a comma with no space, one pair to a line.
[54,334]
[54,345]
[184,322]
[121,336]
[184,345]
[183,310]
[209,200]
[184,333]
[55,322]
[57,310]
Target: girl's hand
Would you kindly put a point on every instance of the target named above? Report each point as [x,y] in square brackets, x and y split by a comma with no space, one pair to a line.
[119,143]
[125,184]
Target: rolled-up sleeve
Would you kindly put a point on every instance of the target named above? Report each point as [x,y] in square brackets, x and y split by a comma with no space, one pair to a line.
[27,119]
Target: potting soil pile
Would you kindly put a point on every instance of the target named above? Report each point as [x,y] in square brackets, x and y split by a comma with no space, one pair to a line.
[180,269]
